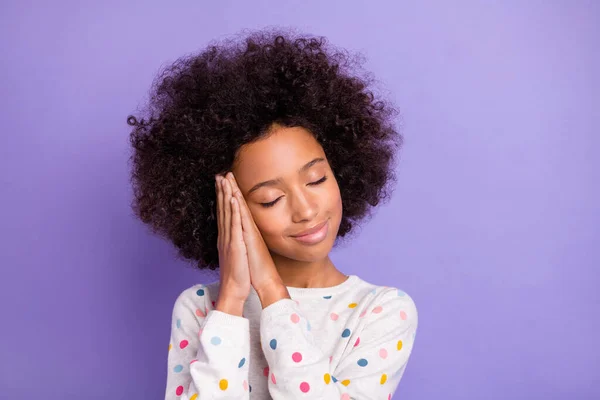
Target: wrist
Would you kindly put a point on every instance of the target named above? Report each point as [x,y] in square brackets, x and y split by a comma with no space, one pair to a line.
[269,294]
[230,304]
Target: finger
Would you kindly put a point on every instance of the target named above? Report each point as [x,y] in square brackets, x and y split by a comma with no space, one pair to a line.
[236,223]
[234,186]
[219,210]
[248,224]
[239,196]
[227,212]
[245,216]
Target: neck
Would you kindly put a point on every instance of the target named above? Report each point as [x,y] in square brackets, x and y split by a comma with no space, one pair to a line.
[312,274]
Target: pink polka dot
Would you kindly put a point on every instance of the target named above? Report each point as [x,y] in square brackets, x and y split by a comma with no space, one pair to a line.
[403,315]
[345,396]
[304,387]
[273,379]
[383,353]
[183,344]
[357,342]
[362,314]
[193,361]
[245,385]
[377,309]
[330,358]
[297,357]
[199,333]
[266,371]
[390,396]
[297,302]
[295,318]
[334,316]
[199,312]
[179,390]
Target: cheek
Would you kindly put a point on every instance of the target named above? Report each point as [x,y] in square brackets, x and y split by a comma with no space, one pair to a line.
[270,224]
[336,208]
[335,199]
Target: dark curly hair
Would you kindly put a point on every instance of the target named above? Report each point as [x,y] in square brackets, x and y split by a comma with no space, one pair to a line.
[203,107]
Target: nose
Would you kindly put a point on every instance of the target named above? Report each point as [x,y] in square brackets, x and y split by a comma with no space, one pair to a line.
[304,206]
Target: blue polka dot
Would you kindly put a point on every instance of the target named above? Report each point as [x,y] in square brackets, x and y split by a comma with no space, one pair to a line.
[242,362]
[200,292]
[327,297]
[178,368]
[362,362]
[273,343]
[216,340]
[334,379]
[178,323]
[374,291]
[307,326]
[346,332]
[401,293]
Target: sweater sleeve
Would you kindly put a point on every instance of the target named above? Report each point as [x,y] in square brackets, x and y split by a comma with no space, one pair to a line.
[208,351]
[377,349]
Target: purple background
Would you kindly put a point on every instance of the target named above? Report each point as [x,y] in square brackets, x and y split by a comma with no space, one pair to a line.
[493,229]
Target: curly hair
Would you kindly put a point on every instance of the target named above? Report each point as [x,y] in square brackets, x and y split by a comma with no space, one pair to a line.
[204,107]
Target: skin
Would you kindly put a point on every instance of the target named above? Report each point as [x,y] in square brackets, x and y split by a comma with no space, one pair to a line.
[257,238]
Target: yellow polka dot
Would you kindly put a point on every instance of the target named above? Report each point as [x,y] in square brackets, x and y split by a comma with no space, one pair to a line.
[399,345]
[223,384]
[346,382]
[194,397]
[170,346]
[383,379]
[352,305]
[327,378]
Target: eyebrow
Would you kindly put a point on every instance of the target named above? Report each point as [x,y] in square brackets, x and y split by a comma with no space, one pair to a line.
[278,180]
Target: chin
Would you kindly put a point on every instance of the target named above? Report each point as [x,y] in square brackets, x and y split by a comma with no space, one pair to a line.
[312,255]
[303,255]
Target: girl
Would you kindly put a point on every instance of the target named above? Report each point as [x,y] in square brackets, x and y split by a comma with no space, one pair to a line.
[255,157]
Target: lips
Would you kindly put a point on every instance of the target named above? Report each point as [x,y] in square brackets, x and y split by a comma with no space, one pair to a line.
[311,230]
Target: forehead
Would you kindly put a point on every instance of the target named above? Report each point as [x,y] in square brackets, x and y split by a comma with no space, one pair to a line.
[282,152]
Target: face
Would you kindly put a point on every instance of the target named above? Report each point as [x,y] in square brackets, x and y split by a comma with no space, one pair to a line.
[290,188]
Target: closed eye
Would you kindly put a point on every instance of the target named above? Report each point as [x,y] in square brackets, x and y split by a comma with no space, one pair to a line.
[323,179]
[271,204]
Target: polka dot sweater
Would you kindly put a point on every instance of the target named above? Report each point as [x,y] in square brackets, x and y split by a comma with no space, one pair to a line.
[350,341]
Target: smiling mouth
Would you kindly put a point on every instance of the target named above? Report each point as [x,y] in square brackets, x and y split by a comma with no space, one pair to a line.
[311,231]
[315,236]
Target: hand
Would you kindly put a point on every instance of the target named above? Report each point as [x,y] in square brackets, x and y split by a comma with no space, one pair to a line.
[233,257]
[263,274]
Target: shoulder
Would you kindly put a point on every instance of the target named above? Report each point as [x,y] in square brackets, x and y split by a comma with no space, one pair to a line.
[196,298]
[388,303]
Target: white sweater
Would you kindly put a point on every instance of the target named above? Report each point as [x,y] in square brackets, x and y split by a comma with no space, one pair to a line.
[350,341]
